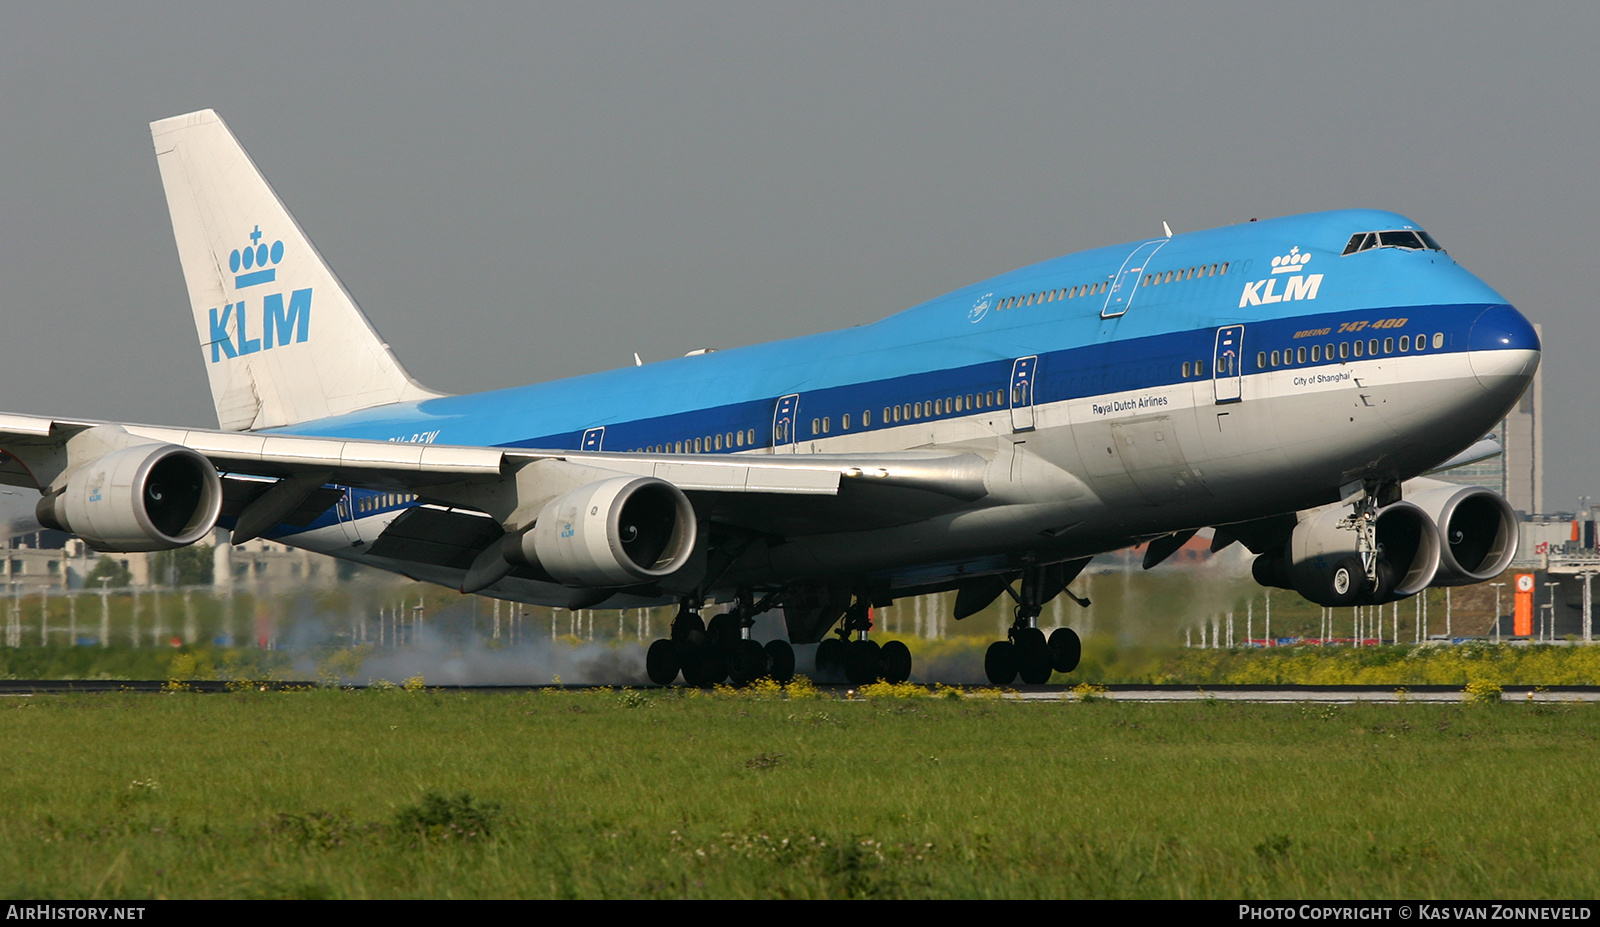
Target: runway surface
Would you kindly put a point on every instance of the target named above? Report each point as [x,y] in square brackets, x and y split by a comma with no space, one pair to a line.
[1263,694]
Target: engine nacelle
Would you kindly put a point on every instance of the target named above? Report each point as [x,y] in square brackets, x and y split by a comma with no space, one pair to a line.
[617,532]
[1320,560]
[140,498]
[1477,525]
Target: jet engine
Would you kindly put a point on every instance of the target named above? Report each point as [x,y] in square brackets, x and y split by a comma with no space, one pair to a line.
[1320,559]
[617,532]
[140,498]
[1478,527]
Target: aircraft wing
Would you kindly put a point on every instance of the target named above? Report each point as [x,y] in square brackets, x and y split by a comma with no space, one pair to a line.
[771,493]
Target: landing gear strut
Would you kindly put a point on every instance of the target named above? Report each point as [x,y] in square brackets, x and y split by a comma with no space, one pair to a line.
[1372,494]
[862,661]
[1026,651]
[722,650]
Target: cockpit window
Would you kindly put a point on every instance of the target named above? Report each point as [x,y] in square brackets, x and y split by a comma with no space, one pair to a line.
[1400,239]
[1411,239]
[1360,241]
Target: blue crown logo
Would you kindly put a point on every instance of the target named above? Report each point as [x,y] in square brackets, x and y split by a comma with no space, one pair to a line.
[256,254]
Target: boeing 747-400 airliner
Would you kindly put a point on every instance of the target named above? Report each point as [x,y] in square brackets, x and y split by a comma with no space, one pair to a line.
[1284,382]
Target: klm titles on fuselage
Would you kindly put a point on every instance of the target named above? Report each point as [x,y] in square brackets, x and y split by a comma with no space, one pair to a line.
[1264,292]
[1130,404]
[253,265]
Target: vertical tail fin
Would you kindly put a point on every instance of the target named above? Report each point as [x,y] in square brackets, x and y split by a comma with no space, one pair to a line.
[282,340]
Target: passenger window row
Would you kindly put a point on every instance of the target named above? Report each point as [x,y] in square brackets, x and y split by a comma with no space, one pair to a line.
[705,444]
[1188,273]
[383,500]
[1050,296]
[823,424]
[1345,350]
[949,405]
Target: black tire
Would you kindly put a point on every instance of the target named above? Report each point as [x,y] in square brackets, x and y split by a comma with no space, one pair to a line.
[830,658]
[688,645]
[1347,583]
[1383,593]
[1033,656]
[1066,650]
[861,662]
[723,630]
[661,663]
[1000,663]
[894,660]
[705,668]
[780,660]
[747,662]
[685,624]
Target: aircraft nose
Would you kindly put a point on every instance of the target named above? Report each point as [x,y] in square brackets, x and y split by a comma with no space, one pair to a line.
[1504,350]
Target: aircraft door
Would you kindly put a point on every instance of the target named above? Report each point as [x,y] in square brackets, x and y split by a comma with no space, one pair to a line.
[1024,372]
[345,509]
[593,439]
[1227,369]
[784,418]
[1120,296]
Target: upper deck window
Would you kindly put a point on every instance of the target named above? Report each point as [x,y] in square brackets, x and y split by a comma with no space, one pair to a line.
[1411,239]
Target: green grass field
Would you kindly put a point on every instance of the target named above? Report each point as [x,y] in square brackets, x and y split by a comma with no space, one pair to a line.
[628,794]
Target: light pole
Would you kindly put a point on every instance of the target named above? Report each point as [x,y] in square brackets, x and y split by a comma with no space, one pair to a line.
[1550,627]
[1497,611]
[105,611]
[1586,574]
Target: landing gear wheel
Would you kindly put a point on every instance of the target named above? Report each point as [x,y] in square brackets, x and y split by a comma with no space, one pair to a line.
[747,662]
[861,662]
[686,623]
[830,658]
[1065,650]
[1033,656]
[1346,582]
[661,663]
[1384,590]
[1000,663]
[723,630]
[705,668]
[894,660]
[780,661]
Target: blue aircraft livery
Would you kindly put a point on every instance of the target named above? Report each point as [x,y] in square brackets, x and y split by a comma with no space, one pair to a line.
[1283,385]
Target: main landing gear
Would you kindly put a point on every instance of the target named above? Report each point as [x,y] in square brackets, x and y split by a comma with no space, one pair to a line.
[1026,652]
[861,661]
[709,654]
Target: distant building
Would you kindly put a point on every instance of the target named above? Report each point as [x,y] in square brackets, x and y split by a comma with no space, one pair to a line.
[53,561]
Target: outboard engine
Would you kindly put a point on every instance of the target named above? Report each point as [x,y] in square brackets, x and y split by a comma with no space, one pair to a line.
[1478,527]
[140,498]
[1320,559]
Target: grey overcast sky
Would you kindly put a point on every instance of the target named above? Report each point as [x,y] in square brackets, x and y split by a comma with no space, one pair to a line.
[528,191]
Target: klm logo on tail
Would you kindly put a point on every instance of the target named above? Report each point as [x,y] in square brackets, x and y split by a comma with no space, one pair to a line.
[256,264]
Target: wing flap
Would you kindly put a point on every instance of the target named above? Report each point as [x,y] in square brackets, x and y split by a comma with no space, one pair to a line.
[442,537]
